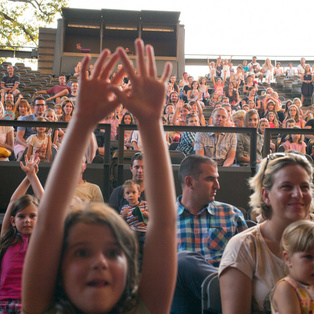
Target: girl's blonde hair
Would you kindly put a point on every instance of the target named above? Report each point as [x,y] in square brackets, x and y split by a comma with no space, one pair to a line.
[54,113]
[276,122]
[289,136]
[298,237]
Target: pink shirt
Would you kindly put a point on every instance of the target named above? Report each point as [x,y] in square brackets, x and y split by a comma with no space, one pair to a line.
[11,270]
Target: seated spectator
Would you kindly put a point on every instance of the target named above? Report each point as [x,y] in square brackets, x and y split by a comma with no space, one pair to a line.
[215,99]
[184,110]
[219,85]
[278,70]
[130,212]
[249,83]
[39,144]
[251,120]
[204,226]
[290,71]
[204,89]
[186,144]
[186,88]
[117,200]
[86,191]
[293,113]
[238,118]
[233,96]
[196,107]
[295,142]
[252,96]
[6,138]
[22,109]
[128,119]
[267,71]
[290,123]
[54,133]
[245,67]
[114,122]
[219,146]
[194,93]
[228,108]
[65,92]
[24,132]
[252,262]
[57,88]
[301,67]
[58,110]
[10,82]
[67,110]
[271,116]
[263,124]
[9,110]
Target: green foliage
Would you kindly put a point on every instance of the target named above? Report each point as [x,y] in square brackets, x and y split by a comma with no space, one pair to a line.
[21,19]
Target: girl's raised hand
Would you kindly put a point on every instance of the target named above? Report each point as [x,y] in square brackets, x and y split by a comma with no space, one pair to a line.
[31,165]
[95,100]
[146,98]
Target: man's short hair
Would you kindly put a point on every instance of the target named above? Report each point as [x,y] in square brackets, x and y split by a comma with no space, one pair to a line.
[38,98]
[217,109]
[190,166]
[136,156]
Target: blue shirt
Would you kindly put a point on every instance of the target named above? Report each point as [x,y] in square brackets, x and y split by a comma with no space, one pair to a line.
[28,130]
[208,232]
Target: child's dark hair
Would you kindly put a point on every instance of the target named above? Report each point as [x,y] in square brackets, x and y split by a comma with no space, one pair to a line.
[41,119]
[101,214]
[12,236]
[289,136]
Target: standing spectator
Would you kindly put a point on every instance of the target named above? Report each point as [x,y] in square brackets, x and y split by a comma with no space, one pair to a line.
[307,83]
[301,67]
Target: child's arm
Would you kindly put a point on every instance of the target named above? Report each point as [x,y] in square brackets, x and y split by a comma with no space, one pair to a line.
[176,112]
[285,299]
[146,102]
[200,114]
[29,150]
[30,169]
[225,74]
[44,251]
[49,153]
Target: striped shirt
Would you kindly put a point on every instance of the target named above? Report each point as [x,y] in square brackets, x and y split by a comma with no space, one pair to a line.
[208,232]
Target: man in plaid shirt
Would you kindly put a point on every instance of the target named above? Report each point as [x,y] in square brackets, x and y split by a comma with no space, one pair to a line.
[204,226]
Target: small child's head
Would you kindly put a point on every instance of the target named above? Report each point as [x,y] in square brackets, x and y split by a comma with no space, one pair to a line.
[192,119]
[290,123]
[24,214]
[127,118]
[245,107]
[271,117]
[96,238]
[263,124]
[297,101]
[131,192]
[58,109]
[298,251]
[295,138]
[40,128]
[50,115]
[8,106]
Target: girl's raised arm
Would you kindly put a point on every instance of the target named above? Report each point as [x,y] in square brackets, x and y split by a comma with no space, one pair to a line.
[146,103]
[30,168]
[43,255]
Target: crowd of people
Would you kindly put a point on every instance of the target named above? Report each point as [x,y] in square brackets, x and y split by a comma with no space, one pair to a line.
[91,264]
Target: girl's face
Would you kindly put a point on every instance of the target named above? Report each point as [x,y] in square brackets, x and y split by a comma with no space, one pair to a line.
[68,109]
[203,81]
[263,126]
[271,117]
[58,111]
[169,109]
[290,196]
[50,116]
[238,123]
[295,138]
[94,268]
[270,107]
[25,220]
[184,112]
[127,119]
[22,110]
[300,266]
[194,108]
[8,108]
[292,111]
[219,82]
[253,121]
[297,103]
[195,85]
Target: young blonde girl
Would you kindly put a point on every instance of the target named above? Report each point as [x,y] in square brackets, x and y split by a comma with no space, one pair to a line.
[39,144]
[87,262]
[17,227]
[271,116]
[51,116]
[295,142]
[295,293]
